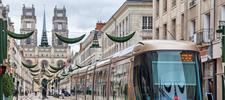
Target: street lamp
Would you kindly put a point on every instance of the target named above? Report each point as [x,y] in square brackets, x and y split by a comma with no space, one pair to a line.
[221,30]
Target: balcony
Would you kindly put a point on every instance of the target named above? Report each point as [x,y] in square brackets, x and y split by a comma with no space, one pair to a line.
[203,37]
[192,3]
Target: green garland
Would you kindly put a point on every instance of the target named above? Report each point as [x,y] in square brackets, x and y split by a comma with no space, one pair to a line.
[121,39]
[56,68]
[8,87]
[29,66]
[64,73]
[79,66]
[52,71]
[19,36]
[69,40]
[34,74]
[33,70]
[71,69]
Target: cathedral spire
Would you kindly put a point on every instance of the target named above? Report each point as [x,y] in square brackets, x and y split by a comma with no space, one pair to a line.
[44,39]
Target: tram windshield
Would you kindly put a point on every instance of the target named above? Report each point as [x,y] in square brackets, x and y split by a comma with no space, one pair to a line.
[169,75]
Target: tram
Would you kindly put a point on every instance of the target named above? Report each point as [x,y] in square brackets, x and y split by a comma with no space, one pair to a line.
[149,70]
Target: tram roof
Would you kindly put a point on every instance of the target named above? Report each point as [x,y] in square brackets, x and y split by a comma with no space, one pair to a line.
[150,45]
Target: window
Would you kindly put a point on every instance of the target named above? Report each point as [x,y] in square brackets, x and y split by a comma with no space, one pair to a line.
[28,40]
[164,5]
[28,13]
[223,13]
[192,31]
[206,30]
[157,33]
[29,25]
[157,8]
[59,26]
[174,3]
[60,14]
[147,23]
[182,27]
[44,63]
[59,42]
[174,28]
[165,31]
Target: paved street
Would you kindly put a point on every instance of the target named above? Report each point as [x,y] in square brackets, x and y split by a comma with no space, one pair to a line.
[33,97]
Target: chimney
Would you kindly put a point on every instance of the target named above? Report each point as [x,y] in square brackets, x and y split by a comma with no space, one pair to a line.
[99,25]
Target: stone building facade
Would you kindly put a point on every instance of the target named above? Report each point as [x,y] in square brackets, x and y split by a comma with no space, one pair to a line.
[132,16]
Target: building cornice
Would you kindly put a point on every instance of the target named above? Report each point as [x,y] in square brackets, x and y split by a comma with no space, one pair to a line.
[123,8]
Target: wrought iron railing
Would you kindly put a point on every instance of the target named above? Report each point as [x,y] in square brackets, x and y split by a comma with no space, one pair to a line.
[192,3]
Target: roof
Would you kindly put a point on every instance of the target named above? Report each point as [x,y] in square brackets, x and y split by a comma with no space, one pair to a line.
[165,45]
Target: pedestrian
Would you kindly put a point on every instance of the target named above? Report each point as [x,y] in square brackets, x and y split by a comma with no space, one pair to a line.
[62,93]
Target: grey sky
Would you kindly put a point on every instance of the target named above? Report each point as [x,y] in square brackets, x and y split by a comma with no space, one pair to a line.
[82,14]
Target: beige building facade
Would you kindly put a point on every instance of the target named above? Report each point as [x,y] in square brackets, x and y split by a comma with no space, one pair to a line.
[196,21]
[14,57]
[132,16]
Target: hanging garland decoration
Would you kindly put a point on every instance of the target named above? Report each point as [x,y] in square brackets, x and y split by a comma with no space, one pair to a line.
[55,71]
[29,66]
[71,69]
[64,73]
[19,36]
[33,70]
[69,40]
[56,68]
[120,39]
[48,75]
[34,74]
[79,66]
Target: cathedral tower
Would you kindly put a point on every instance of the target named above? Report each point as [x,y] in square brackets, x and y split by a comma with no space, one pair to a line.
[60,26]
[28,24]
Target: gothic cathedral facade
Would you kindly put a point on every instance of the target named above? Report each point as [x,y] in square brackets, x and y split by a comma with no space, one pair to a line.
[44,54]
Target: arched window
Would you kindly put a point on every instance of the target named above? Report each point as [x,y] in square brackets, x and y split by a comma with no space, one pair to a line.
[29,62]
[60,63]
[28,40]
[60,42]
[44,63]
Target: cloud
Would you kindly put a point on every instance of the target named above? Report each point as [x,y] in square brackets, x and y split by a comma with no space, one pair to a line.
[82,14]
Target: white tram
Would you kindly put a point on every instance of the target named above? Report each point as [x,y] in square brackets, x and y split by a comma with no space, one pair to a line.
[149,70]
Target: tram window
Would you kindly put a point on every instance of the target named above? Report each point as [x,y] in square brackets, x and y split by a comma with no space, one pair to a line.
[119,82]
[143,80]
[100,84]
[166,74]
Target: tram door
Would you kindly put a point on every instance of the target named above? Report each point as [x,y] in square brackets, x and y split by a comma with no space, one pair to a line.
[131,94]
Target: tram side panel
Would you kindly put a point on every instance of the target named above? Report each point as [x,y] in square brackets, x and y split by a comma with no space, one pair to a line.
[131,94]
[100,85]
[119,81]
[81,87]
